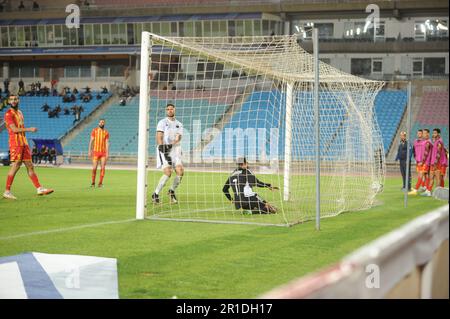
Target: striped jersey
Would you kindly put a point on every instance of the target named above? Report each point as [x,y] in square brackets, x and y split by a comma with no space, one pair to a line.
[100,137]
[15,117]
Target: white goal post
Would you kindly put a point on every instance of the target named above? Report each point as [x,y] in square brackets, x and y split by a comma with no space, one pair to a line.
[255,97]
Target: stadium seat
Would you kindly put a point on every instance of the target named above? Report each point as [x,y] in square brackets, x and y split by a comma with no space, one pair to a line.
[48,128]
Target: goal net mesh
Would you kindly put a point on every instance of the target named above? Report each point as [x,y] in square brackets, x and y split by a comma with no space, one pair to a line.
[254,97]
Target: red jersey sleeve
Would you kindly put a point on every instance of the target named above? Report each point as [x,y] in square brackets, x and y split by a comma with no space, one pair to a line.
[93,133]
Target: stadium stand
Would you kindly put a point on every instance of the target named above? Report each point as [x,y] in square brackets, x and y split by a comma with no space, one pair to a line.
[433,113]
[124,129]
[389,109]
[50,128]
[255,113]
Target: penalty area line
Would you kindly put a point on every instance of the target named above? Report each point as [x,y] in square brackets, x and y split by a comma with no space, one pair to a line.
[60,230]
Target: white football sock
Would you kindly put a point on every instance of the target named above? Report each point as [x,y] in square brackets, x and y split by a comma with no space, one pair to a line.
[162,181]
[176,182]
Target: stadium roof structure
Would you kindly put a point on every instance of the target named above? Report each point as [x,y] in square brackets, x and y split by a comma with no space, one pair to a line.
[131,19]
[280,57]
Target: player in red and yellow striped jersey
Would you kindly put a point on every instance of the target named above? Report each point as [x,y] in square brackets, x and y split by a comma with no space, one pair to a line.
[19,149]
[99,150]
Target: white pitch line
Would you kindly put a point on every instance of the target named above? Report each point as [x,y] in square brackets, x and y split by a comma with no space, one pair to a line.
[59,230]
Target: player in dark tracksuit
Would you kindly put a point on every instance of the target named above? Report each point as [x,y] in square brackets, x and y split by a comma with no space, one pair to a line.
[242,180]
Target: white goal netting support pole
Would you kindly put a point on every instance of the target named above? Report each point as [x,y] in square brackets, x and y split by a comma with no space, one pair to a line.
[408,141]
[144,104]
[288,141]
[317,121]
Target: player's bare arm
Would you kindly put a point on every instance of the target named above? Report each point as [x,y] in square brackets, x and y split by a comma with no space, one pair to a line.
[90,146]
[159,138]
[107,148]
[15,129]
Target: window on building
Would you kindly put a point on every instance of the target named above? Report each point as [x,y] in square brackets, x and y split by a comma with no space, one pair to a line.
[215,28]
[419,30]
[4,37]
[130,34]
[20,36]
[380,31]
[27,30]
[248,27]
[117,70]
[73,32]
[114,33]
[265,27]
[88,34]
[106,34]
[207,28]
[14,71]
[85,71]
[274,27]
[77,71]
[198,29]
[363,30]
[326,30]
[71,72]
[361,66]
[50,31]
[149,26]
[97,34]
[41,35]
[348,30]
[417,66]
[231,28]
[436,28]
[80,33]
[138,32]
[122,33]
[257,27]
[181,29]
[174,29]
[188,29]
[28,71]
[434,66]
[58,35]
[155,27]
[223,27]
[377,66]
[165,29]
[239,28]
[12,37]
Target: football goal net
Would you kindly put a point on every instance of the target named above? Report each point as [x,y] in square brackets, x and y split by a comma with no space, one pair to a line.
[236,114]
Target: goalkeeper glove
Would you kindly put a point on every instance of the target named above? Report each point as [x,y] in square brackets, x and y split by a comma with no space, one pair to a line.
[165,148]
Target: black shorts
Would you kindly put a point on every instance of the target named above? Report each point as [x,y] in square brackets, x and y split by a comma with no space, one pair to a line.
[254,203]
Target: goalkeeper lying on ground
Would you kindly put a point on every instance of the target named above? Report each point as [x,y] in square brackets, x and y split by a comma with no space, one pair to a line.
[241,181]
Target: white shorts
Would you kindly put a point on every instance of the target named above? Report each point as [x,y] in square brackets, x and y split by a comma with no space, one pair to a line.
[173,160]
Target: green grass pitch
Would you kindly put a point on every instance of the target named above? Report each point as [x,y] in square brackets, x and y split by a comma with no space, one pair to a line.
[163,259]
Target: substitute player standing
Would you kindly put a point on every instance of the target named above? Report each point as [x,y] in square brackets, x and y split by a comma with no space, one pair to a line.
[418,151]
[168,153]
[18,148]
[99,150]
[242,181]
[439,162]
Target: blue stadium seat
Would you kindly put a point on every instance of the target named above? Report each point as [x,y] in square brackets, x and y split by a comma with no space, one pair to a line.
[48,128]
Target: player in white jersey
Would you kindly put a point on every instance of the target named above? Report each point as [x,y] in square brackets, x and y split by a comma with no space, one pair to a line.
[168,153]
